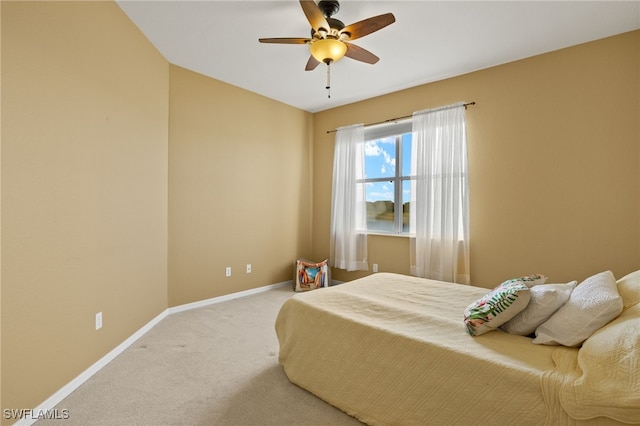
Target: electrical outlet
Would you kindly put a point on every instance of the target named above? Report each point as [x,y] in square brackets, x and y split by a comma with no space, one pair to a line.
[248,268]
[375,267]
[227,271]
[98,320]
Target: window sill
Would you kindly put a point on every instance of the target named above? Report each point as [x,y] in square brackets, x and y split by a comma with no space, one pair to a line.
[384,234]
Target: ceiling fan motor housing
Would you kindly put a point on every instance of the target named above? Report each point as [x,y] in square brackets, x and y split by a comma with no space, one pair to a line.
[329,7]
[333,32]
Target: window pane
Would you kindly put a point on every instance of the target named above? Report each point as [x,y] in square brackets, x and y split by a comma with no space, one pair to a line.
[380,158]
[379,196]
[406,204]
[406,154]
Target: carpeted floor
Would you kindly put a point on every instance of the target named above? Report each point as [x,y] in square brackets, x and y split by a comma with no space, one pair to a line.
[216,365]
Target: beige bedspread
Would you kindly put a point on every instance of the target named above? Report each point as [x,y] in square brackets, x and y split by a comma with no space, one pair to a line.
[392,350]
[603,378]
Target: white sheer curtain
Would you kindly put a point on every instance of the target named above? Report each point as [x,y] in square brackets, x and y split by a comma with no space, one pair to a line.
[439,217]
[348,247]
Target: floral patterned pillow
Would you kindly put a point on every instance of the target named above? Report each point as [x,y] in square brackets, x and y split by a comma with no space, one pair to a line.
[529,280]
[496,307]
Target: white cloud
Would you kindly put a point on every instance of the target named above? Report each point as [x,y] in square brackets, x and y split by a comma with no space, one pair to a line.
[372,149]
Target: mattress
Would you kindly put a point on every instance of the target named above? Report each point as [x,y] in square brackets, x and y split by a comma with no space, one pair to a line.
[391,349]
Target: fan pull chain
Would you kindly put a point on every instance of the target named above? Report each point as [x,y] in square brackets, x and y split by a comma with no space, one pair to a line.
[328,79]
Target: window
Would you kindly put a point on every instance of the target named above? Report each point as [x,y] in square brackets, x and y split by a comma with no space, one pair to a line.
[408,178]
[387,178]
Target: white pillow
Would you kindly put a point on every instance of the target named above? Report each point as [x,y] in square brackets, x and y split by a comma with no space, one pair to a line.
[629,289]
[592,304]
[545,300]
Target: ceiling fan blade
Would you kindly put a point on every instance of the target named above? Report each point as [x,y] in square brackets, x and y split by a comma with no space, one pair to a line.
[360,54]
[314,15]
[312,63]
[368,26]
[285,40]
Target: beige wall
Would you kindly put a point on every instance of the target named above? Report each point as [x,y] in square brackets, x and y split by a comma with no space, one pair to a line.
[84,190]
[554,148]
[103,213]
[1,406]
[239,188]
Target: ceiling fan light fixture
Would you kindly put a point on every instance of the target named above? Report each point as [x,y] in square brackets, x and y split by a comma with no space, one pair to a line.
[328,50]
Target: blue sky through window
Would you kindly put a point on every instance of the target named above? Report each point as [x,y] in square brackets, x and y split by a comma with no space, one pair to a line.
[380,161]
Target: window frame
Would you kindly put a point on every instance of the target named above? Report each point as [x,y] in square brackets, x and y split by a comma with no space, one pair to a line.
[397,130]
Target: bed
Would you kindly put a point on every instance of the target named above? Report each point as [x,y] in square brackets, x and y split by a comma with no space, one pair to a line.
[390,349]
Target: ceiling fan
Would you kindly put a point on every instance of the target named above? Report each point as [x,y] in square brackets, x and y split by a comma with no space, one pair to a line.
[330,39]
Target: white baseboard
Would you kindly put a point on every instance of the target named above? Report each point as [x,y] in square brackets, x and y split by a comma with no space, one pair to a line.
[214,300]
[48,406]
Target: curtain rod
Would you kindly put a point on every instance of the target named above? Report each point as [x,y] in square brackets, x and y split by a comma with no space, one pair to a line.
[406,116]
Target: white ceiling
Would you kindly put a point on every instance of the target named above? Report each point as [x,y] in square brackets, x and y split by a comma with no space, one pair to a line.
[430,41]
